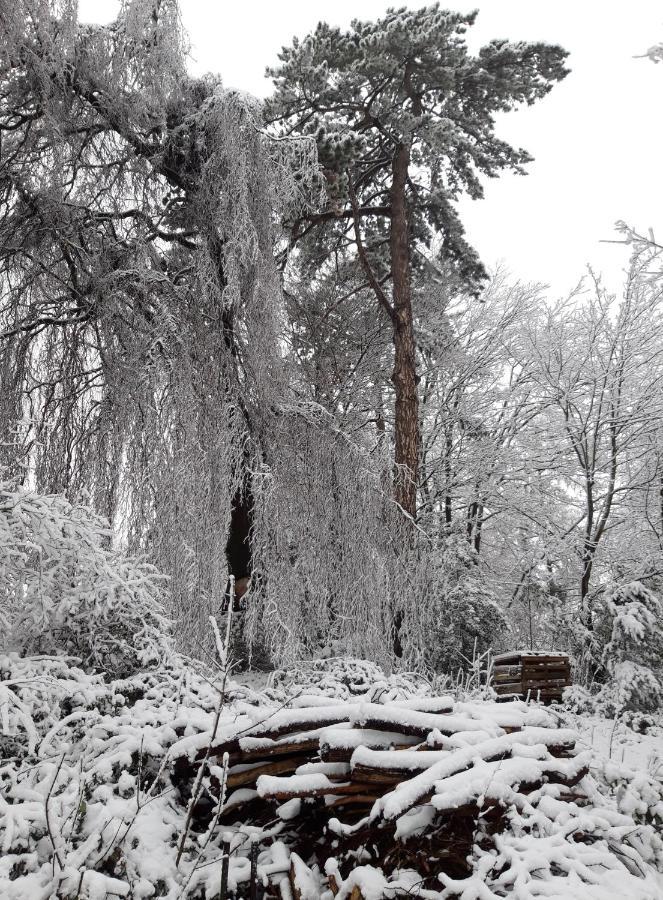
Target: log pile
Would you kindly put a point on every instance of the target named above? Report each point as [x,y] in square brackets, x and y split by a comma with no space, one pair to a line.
[529,674]
[409,785]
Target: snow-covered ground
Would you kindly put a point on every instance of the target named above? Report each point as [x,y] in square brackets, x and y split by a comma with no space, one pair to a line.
[614,741]
[94,803]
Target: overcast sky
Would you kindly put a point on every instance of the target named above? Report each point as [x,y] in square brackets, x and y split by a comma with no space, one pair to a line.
[597,139]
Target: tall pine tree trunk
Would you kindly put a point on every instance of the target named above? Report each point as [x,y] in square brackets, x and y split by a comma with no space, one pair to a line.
[407,436]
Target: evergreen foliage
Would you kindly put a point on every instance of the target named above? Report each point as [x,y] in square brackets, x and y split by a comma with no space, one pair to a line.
[403,117]
[409,78]
[633,656]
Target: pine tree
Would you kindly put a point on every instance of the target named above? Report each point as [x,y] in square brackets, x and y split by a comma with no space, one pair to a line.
[403,117]
[633,657]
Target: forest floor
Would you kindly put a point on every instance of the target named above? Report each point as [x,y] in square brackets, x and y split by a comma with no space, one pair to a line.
[614,742]
[107,789]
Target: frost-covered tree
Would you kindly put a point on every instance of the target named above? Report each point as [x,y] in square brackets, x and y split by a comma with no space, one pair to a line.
[477,399]
[140,307]
[598,367]
[459,616]
[403,116]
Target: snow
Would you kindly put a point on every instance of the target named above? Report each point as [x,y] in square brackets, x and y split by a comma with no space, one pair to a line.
[307,885]
[265,743]
[73,794]
[426,704]
[414,760]
[500,657]
[370,882]
[347,738]
[334,770]
[419,722]
[289,810]
[514,713]
[273,785]
[290,720]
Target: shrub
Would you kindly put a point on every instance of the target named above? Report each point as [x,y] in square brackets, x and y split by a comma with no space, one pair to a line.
[65,590]
[458,617]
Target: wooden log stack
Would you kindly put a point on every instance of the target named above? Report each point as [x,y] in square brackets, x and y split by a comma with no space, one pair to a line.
[528,674]
[416,781]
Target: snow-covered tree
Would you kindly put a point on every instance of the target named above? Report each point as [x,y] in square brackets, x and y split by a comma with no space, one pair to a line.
[142,332]
[403,116]
[139,302]
[456,615]
[598,367]
[633,655]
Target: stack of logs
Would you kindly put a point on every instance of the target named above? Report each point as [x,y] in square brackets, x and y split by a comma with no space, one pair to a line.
[409,784]
[530,674]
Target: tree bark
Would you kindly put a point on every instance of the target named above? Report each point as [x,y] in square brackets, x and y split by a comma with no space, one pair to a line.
[448,449]
[407,436]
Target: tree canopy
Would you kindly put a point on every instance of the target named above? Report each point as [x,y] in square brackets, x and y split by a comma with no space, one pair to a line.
[404,120]
[409,78]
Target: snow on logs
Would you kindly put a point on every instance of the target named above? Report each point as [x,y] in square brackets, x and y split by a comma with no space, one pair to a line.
[395,755]
[427,767]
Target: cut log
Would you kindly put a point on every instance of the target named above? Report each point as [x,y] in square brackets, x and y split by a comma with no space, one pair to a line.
[543,674]
[556,685]
[248,775]
[507,670]
[342,754]
[368,775]
[417,724]
[353,800]
[252,748]
[338,745]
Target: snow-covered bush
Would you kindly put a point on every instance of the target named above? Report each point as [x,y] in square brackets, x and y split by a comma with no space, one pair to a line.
[343,678]
[577,699]
[633,655]
[638,793]
[87,804]
[65,590]
[454,615]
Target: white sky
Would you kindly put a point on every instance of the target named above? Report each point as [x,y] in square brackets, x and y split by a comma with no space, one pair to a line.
[597,139]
